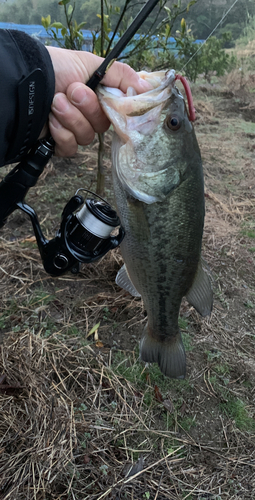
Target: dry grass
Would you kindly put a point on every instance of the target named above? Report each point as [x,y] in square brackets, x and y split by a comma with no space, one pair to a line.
[68,423]
[81,417]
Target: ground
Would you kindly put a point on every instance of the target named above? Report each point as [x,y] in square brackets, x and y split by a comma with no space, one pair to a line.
[78,408]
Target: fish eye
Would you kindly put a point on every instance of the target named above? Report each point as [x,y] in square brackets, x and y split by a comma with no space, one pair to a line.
[173,122]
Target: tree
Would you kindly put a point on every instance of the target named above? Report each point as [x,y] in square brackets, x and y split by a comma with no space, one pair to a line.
[206,59]
[202,19]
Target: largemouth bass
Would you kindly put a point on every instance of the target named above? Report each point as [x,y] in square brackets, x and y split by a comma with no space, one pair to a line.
[159,191]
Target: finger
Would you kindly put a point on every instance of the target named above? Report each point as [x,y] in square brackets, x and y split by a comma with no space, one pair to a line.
[78,66]
[122,76]
[65,142]
[84,99]
[72,119]
[119,75]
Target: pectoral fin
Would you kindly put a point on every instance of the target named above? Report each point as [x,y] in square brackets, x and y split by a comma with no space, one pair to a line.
[124,281]
[200,295]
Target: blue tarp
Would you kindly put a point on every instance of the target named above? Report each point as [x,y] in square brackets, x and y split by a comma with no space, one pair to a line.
[39,32]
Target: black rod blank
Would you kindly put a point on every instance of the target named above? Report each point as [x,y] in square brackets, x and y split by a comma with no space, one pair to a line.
[122,43]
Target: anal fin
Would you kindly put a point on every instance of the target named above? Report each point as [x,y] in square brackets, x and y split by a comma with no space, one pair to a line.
[124,281]
[200,294]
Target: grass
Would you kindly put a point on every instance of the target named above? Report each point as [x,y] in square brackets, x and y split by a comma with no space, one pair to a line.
[250,233]
[236,410]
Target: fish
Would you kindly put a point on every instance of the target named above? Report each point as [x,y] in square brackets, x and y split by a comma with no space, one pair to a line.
[159,192]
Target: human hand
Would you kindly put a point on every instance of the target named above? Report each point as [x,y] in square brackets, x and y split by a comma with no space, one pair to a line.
[76,113]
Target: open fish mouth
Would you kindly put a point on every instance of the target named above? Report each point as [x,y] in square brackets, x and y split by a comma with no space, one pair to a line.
[159,80]
[145,108]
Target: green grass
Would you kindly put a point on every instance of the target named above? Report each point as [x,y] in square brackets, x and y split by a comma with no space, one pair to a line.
[26,311]
[214,354]
[248,232]
[187,423]
[183,323]
[249,304]
[221,368]
[40,298]
[235,409]
[247,127]
[187,342]
[248,229]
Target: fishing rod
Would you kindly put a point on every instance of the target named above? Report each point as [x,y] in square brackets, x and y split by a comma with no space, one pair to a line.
[209,36]
[83,236]
[121,44]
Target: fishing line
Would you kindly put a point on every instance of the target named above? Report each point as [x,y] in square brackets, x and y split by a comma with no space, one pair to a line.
[200,47]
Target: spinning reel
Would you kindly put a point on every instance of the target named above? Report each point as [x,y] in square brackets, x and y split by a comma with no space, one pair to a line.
[84,236]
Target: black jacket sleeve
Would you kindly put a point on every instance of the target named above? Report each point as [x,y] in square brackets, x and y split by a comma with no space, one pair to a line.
[26,91]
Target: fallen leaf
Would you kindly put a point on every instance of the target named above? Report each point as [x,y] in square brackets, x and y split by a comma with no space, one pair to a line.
[114,309]
[137,467]
[2,378]
[9,389]
[183,408]
[158,394]
[168,405]
[99,343]
[32,239]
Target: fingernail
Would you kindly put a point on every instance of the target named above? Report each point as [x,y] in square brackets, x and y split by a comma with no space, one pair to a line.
[78,95]
[60,103]
[54,122]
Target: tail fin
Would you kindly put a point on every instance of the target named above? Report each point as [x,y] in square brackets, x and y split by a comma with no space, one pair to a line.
[169,354]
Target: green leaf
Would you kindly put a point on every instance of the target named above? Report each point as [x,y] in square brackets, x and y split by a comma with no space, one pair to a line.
[63,31]
[190,4]
[63,2]
[93,329]
[57,25]
[70,10]
[81,25]
[183,25]
[46,21]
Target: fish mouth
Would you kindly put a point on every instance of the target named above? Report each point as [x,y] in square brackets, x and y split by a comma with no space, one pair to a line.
[137,112]
[133,104]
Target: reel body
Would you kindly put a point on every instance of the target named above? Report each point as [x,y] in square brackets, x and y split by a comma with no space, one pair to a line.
[83,237]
